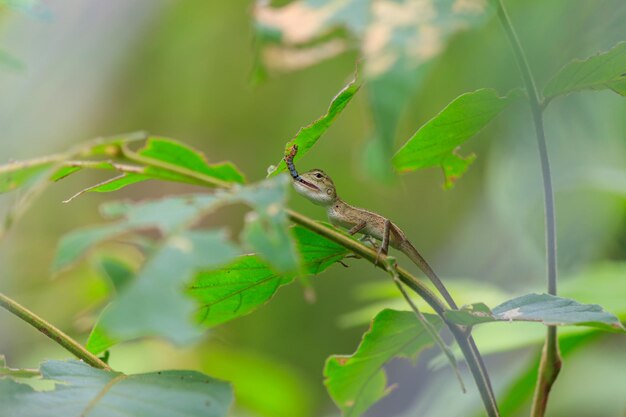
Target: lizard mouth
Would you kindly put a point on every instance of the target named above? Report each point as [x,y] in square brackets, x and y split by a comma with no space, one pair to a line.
[308,184]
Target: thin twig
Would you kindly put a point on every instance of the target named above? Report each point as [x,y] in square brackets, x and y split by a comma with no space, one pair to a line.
[52,332]
[432,331]
[550,364]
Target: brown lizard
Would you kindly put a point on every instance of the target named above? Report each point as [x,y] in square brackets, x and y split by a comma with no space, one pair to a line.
[319,188]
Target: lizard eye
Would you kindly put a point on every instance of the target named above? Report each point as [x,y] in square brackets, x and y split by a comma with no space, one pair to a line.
[318,175]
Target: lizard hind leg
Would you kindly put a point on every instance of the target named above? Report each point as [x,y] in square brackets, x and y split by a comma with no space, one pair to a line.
[357,228]
[384,246]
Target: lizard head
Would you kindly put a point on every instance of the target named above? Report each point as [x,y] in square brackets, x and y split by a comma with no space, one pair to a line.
[316,186]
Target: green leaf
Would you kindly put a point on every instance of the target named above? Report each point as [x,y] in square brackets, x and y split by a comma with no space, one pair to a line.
[249,282]
[316,252]
[155,300]
[436,143]
[71,167]
[235,290]
[358,381]
[606,70]
[176,154]
[81,390]
[542,308]
[64,172]
[309,135]
[117,183]
[111,146]
[99,339]
[470,315]
[112,184]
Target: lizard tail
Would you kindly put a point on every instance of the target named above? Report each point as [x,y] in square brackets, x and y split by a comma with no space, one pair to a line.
[410,251]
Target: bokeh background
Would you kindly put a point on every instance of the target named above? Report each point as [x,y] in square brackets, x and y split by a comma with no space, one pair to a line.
[73,70]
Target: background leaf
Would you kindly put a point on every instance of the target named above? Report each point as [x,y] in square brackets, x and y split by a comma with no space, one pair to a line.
[167,215]
[606,70]
[436,143]
[356,382]
[83,390]
[543,308]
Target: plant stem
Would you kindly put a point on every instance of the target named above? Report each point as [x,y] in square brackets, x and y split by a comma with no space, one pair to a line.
[550,364]
[463,339]
[52,332]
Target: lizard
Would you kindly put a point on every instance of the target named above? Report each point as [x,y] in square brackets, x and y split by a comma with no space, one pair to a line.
[318,187]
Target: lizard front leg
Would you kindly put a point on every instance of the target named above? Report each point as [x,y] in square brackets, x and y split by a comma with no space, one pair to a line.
[365,238]
[357,228]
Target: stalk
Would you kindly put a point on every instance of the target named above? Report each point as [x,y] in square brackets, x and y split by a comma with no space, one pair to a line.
[550,364]
[52,332]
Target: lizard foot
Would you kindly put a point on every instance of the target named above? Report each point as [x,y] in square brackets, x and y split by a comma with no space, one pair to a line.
[370,240]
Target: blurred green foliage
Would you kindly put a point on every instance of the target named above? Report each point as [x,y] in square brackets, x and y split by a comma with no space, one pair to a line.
[183,70]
